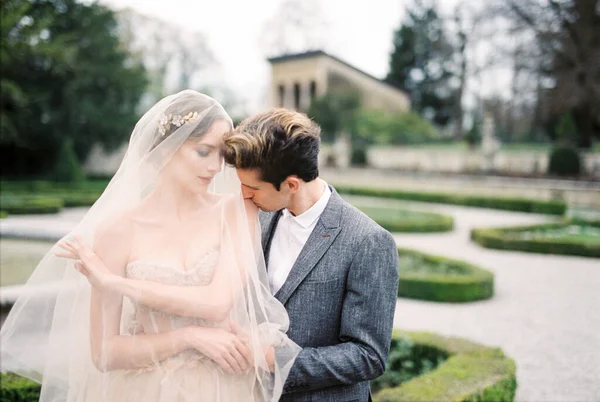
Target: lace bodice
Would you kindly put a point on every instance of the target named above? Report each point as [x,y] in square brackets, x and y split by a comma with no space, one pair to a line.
[200,274]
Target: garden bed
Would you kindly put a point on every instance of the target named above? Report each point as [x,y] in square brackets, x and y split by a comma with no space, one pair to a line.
[408,221]
[503,203]
[425,367]
[572,237]
[434,278]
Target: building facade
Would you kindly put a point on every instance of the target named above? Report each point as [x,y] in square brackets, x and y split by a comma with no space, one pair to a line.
[297,79]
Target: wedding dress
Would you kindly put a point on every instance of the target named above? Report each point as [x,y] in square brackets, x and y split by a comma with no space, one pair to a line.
[189,376]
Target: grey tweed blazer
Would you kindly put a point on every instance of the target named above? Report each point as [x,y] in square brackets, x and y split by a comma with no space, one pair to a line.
[340,296]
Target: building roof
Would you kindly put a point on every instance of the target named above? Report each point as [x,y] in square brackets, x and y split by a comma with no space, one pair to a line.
[316,53]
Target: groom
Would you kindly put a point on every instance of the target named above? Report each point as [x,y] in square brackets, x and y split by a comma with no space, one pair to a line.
[333,268]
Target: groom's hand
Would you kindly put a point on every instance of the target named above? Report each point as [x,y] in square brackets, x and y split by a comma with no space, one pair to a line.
[222,346]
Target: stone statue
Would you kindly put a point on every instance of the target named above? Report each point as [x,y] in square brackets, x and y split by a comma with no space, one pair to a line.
[489,144]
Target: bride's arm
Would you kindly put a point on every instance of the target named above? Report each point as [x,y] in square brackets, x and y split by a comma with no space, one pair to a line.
[110,350]
[113,351]
[212,302]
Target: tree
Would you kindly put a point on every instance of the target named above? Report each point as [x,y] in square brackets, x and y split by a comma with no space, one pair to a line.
[567,39]
[73,78]
[335,112]
[419,62]
[297,26]
[173,57]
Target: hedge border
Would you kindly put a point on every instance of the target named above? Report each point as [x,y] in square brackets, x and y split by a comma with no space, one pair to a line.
[496,238]
[45,203]
[478,284]
[442,223]
[30,204]
[472,373]
[503,203]
[14,388]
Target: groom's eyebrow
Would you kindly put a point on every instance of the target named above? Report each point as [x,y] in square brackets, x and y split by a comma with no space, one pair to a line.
[253,188]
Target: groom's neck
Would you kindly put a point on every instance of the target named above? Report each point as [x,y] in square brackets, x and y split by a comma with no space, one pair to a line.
[306,196]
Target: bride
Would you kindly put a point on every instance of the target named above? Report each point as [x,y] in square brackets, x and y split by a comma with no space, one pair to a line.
[172,305]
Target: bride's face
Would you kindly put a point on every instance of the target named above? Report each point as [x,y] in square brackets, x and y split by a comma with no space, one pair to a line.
[198,159]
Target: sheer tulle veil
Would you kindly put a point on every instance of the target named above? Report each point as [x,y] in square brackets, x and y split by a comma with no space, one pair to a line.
[46,336]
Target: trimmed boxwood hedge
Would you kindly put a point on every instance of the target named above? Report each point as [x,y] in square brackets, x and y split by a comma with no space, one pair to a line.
[30,204]
[499,238]
[398,220]
[508,204]
[455,281]
[462,371]
[24,197]
[46,186]
[18,389]
[471,373]
[46,203]
[78,199]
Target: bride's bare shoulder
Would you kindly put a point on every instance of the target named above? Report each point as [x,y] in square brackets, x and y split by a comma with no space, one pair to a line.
[116,228]
[251,208]
[232,200]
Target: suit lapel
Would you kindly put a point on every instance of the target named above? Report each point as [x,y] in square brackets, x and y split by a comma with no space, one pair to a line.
[322,237]
[268,223]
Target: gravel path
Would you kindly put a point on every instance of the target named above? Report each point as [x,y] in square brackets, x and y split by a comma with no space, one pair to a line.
[545,313]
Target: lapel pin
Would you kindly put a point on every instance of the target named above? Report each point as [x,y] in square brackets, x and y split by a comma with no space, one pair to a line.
[326,235]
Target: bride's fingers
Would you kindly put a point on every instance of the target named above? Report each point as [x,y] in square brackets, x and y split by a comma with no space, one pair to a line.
[65,246]
[244,351]
[224,364]
[65,254]
[233,363]
[240,360]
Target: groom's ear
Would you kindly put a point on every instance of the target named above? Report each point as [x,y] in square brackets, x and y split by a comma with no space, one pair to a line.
[292,183]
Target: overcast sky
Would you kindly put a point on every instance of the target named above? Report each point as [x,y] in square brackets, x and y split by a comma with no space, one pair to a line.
[359,32]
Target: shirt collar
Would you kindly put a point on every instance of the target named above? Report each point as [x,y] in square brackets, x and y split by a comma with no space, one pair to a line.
[309,217]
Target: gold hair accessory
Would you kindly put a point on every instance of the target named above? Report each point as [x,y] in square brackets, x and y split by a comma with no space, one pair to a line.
[178,120]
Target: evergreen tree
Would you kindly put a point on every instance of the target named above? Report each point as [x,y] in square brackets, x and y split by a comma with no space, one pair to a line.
[418,63]
[66,77]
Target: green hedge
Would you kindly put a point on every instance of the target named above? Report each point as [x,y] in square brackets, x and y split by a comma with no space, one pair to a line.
[45,197]
[501,239]
[400,220]
[46,186]
[421,367]
[471,373]
[18,389]
[509,204]
[78,199]
[434,278]
[30,204]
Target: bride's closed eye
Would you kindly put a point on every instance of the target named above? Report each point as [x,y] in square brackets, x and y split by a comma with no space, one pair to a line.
[203,152]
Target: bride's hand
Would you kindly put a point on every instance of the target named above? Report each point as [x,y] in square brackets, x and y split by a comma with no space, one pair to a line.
[223,347]
[87,263]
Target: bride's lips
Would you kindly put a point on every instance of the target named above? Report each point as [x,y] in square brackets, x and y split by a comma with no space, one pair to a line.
[206,180]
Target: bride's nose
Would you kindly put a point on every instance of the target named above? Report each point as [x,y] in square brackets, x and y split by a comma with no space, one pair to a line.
[215,164]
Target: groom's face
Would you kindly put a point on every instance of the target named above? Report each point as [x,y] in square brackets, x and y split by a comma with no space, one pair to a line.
[262,193]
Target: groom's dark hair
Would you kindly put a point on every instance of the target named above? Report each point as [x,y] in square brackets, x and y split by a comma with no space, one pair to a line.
[279,143]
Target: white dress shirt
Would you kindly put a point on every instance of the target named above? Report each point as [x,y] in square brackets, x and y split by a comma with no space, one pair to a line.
[290,236]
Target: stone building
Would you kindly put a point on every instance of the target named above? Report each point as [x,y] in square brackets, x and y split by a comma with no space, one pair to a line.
[296,79]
